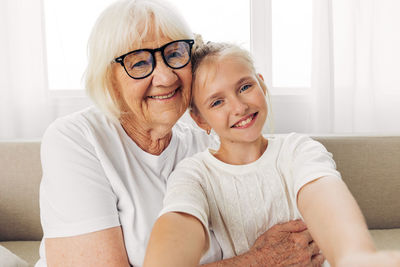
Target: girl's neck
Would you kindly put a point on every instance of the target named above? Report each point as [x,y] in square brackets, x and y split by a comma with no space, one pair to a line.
[241,153]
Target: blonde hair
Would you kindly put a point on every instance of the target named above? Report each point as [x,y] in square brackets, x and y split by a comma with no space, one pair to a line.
[210,52]
[122,26]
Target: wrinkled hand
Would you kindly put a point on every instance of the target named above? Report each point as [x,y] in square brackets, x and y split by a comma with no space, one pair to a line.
[288,244]
[380,258]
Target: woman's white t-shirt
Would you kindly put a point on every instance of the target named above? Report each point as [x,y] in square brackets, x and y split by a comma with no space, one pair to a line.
[95,177]
[240,202]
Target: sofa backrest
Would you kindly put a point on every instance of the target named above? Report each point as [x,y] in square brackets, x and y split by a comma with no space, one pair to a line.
[369,166]
[20,174]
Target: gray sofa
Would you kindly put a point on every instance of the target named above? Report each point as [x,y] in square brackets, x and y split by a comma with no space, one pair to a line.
[370,166]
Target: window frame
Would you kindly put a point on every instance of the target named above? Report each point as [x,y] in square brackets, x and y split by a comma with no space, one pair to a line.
[260,46]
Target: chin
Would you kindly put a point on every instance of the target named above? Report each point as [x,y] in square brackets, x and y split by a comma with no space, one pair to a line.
[169,117]
[250,137]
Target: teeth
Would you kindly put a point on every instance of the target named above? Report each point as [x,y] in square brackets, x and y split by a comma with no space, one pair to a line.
[243,123]
[163,96]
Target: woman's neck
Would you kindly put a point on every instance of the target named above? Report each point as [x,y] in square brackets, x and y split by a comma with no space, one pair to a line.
[241,153]
[152,140]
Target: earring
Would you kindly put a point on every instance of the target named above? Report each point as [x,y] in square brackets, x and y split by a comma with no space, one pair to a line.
[209,131]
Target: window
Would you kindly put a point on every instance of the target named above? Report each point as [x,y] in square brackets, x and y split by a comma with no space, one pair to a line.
[291,43]
[278,33]
[68,25]
[281,42]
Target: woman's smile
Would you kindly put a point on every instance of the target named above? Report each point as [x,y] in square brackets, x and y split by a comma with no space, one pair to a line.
[165,96]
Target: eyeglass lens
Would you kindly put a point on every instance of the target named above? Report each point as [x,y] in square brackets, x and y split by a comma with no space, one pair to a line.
[141,63]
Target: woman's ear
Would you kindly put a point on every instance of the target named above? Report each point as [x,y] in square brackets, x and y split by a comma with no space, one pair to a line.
[200,121]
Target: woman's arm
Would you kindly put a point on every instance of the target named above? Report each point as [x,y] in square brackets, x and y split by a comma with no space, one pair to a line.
[336,222]
[102,248]
[177,240]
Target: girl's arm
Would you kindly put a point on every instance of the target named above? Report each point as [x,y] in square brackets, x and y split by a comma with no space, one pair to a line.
[338,226]
[177,240]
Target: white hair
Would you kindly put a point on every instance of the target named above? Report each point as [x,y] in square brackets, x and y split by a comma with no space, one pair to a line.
[123,25]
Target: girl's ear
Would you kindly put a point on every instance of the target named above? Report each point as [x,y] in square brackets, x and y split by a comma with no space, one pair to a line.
[200,121]
[260,79]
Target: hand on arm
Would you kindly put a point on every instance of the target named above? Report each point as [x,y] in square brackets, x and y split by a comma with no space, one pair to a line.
[288,244]
[337,224]
[177,240]
[101,248]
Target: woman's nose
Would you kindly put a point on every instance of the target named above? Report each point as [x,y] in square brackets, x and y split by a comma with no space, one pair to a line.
[162,74]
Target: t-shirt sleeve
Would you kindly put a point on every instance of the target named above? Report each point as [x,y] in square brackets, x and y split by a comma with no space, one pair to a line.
[75,194]
[186,193]
[305,160]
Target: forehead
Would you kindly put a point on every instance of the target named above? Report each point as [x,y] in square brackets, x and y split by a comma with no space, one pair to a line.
[151,40]
[222,70]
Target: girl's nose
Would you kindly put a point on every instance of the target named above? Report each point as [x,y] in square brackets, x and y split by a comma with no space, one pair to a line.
[239,106]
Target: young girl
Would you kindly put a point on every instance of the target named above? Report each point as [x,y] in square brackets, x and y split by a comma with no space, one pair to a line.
[252,182]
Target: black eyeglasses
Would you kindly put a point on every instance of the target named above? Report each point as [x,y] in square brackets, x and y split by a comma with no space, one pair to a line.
[140,63]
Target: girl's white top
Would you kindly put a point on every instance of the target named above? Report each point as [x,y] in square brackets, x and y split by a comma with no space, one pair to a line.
[95,177]
[240,202]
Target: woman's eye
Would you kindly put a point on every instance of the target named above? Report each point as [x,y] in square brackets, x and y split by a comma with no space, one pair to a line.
[140,64]
[244,88]
[175,54]
[216,103]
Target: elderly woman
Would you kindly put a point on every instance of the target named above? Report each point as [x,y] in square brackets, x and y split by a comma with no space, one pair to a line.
[105,167]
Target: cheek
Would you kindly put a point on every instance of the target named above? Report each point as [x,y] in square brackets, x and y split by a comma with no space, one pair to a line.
[131,91]
[219,119]
[261,99]
[186,78]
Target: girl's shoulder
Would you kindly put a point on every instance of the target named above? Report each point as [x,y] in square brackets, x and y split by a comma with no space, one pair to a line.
[193,137]
[292,141]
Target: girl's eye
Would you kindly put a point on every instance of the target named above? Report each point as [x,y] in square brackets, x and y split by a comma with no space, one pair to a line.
[244,88]
[216,103]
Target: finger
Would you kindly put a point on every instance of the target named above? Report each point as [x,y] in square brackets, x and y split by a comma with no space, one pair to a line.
[317,260]
[303,238]
[292,226]
[313,248]
[306,234]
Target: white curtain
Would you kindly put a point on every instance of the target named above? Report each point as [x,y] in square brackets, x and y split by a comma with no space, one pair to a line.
[356,66]
[24,108]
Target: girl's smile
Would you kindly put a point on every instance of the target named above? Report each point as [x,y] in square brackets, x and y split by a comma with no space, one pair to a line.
[246,122]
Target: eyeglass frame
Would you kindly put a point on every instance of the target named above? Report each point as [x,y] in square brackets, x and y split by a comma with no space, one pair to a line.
[161,49]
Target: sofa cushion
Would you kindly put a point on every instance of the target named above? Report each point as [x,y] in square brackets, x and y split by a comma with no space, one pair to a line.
[386,239]
[370,168]
[26,250]
[29,250]
[20,177]
[9,259]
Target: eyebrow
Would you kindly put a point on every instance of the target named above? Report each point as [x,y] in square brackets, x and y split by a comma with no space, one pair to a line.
[215,95]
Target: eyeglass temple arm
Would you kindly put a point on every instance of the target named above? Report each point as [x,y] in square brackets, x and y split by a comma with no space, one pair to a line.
[119,60]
